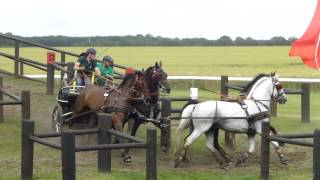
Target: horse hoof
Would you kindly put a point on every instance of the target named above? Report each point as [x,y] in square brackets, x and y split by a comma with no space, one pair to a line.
[284,161]
[176,163]
[127,159]
[164,149]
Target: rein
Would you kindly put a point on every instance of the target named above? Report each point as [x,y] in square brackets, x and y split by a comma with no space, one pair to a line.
[236,97]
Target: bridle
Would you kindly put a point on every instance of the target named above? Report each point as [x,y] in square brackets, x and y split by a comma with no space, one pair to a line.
[278,87]
[157,74]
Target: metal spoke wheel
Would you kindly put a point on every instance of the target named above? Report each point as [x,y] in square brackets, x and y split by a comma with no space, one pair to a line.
[57,119]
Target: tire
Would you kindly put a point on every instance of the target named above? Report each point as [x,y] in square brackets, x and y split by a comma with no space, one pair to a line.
[57,119]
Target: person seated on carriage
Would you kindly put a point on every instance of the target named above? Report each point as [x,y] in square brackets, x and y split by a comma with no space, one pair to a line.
[106,72]
[86,65]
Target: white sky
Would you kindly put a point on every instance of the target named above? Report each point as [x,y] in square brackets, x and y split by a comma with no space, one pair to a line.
[259,19]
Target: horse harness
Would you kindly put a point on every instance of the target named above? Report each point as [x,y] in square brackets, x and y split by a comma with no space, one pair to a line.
[251,119]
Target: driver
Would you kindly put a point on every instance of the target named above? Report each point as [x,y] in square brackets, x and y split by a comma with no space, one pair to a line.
[85,66]
[106,70]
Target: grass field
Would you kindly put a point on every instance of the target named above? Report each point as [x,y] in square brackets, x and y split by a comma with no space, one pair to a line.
[233,61]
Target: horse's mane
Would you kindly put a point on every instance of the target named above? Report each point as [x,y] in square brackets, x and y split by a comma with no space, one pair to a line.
[148,74]
[127,77]
[148,70]
[248,87]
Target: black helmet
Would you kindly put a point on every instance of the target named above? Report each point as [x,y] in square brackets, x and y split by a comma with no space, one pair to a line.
[91,51]
[108,59]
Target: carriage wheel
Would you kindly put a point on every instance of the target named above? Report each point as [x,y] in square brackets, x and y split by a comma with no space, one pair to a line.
[57,119]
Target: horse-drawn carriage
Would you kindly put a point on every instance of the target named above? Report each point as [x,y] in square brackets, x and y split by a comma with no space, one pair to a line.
[65,103]
[142,107]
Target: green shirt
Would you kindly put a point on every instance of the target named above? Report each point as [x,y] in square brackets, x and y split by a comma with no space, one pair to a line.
[89,66]
[104,71]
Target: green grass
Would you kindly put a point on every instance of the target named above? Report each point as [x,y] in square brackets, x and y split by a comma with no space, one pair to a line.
[215,61]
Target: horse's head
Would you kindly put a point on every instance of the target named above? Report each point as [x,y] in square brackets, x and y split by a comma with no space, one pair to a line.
[267,87]
[140,85]
[158,77]
[277,91]
[135,82]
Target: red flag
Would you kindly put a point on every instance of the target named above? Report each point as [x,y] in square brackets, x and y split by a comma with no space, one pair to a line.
[307,47]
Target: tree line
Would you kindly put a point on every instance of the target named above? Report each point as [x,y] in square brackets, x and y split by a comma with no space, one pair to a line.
[147,40]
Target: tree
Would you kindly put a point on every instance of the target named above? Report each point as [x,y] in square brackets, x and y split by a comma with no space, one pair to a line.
[239,41]
[225,41]
[278,40]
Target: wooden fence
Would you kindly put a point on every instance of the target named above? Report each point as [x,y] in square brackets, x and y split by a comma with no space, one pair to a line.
[24,101]
[289,139]
[68,147]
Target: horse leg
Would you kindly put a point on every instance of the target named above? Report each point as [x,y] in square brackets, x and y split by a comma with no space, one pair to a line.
[92,120]
[188,141]
[133,133]
[251,148]
[275,132]
[278,148]
[125,156]
[209,142]
[218,147]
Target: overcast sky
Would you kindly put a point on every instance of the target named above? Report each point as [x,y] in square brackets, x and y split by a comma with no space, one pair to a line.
[260,19]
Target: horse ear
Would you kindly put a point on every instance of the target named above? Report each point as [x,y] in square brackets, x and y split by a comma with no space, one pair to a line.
[273,73]
[156,65]
[160,64]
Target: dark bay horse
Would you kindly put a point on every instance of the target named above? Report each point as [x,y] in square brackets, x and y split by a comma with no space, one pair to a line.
[118,102]
[147,109]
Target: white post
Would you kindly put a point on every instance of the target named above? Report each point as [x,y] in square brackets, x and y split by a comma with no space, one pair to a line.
[194,93]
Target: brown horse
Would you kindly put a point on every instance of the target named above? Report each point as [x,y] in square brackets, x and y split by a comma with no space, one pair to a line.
[118,102]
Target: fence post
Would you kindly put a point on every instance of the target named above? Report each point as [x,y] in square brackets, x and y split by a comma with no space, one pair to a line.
[50,79]
[68,156]
[21,71]
[265,151]
[165,131]
[151,155]
[27,149]
[63,61]
[25,106]
[16,58]
[316,155]
[104,156]
[70,70]
[305,103]
[229,138]
[273,109]
[1,99]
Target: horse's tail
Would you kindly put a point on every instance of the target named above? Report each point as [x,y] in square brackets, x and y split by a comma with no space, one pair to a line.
[183,124]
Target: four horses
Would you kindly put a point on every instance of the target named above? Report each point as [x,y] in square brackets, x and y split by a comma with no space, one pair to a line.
[246,117]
